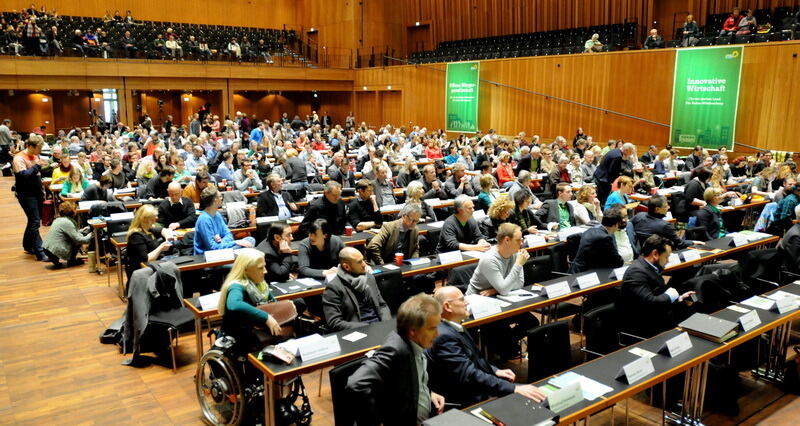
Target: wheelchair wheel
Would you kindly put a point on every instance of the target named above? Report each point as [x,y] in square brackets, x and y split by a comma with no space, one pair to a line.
[219,389]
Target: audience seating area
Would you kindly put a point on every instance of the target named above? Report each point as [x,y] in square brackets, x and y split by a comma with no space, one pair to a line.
[543,43]
[279,42]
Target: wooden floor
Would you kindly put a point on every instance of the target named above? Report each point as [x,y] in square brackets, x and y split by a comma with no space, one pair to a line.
[53,369]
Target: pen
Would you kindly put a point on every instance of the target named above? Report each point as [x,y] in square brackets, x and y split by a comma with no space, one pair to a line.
[491,418]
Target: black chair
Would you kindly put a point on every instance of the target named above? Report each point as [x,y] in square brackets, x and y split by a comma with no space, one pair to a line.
[742,39]
[393,288]
[548,350]
[600,331]
[343,407]
[723,40]
[460,275]
[538,269]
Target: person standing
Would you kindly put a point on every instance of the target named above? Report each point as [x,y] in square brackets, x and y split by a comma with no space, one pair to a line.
[610,169]
[27,168]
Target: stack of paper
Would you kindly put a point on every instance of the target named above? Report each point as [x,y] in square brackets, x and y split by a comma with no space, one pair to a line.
[591,389]
[516,296]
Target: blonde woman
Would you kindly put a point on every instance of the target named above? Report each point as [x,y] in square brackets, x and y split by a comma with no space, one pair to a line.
[414,193]
[486,196]
[499,213]
[587,198]
[243,290]
[144,245]
[75,183]
[85,165]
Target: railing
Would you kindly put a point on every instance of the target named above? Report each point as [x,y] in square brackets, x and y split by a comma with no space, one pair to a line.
[376,56]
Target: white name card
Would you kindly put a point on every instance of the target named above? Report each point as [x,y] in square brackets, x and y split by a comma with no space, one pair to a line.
[558,289]
[436,225]
[620,272]
[478,214]
[121,216]
[266,219]
[222,255]
[749,320]
[677,345]
[564,398]
[418,261]
[533,240]
[319,348]
[590,280]
[786,304]
[690,255]
[636,370]
[674,259]
[450,257]
[484,310]
[739,240]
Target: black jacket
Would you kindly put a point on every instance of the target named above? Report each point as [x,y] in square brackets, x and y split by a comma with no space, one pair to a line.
[646,309]
[708,219]
[549,212]
[267,206]
[610,167]
[321,208]
[361,211]
[182,213]
[386,385]
[790,246]
[648,224]
[459,372]
[296,170]
[693,189]
[596,250]
[279,265]
[155,188]
[340,306]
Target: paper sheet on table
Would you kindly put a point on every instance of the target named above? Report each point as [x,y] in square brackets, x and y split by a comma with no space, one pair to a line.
[210,301]
[759,302]
[781,294]
[436,225]
[738,309]
[481,306]
[354,336]
[642,352]
[474,253]
[309,282]
[293,345]
[516,296]
[390,267]
[591,389]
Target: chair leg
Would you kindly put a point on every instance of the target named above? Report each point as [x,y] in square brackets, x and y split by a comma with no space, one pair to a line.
[173,339]
[319,389]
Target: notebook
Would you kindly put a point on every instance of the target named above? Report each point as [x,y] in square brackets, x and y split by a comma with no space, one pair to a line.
[709,328]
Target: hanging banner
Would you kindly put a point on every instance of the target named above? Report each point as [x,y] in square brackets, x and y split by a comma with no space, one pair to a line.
[461,97]
[705,96]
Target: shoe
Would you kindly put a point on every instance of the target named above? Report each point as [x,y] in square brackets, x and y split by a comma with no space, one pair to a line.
[58,265]
[75,262]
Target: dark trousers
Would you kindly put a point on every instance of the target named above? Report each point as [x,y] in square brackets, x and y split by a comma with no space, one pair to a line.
[603,191]
[31,239]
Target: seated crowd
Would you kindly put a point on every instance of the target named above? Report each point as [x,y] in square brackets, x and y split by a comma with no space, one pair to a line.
[488,191]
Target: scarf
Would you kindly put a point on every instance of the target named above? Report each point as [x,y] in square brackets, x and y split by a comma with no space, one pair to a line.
[259,292]
[357,283]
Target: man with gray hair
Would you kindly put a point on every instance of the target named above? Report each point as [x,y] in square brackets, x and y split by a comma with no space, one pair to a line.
[458,184]
[329,207]
[397,236]
[523,184]
[431,185]
[384,191]
[460,231]
[391,387]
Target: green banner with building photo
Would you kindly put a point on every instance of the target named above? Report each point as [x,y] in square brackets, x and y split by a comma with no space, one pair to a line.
[705,96]
[461,97]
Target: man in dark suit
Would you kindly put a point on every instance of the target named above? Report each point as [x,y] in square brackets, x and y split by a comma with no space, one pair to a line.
[597,248]
[391,387]
[652,223]
[274,201]
[329,207]
[458,372]
[351,299]
[531,162]
[610,169]
[157,185]
[458,183]
[397,236]
[364,212]
[431,185]
[278,252]
[646,305]
[650,156]
[558,211]
[176,211]
[790,246]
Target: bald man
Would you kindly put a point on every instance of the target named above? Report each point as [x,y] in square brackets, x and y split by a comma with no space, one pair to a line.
[176,211]
[351,299]
[461,375]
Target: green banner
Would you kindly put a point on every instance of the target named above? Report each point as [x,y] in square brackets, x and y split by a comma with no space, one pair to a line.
[461,97]
[705,96]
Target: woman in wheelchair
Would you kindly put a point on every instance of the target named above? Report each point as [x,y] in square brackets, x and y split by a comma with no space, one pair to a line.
[242,292]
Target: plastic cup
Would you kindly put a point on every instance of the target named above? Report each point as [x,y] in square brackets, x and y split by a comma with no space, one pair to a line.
[398,259]
[348,230]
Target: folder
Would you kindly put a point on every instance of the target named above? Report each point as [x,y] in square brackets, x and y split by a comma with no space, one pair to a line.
[709,328]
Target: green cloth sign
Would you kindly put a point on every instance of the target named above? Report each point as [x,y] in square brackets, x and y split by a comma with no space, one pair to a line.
[461,97]
[705,96]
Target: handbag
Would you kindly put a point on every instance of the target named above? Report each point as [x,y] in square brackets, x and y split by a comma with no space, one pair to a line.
[284,313]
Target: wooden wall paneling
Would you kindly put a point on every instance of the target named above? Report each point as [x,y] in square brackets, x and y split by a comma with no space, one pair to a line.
[26,110]
[73,111]
[391,107]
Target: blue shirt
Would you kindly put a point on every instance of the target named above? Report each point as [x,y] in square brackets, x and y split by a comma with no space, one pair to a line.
[206,228]
[225,173]
[616,197]
[256,135]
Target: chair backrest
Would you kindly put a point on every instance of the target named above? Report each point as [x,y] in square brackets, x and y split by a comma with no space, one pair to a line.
[548,350]
[393,288]
[117,226]
[600,329]
[538,269]
[460,276]
[343,408]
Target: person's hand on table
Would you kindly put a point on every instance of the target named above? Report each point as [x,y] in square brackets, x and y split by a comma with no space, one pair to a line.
[530,392]
[438,402]
[506,374]
[489,292]
[243,243]
[533,230]
[174,225]
[483,245]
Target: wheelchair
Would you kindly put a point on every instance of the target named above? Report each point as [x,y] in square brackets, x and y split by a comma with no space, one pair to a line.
[230,390]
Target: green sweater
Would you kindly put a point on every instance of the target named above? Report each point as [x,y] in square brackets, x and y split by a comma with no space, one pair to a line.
[63,236]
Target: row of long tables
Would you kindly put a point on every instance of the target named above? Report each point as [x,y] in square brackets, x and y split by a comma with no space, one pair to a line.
[375,333]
